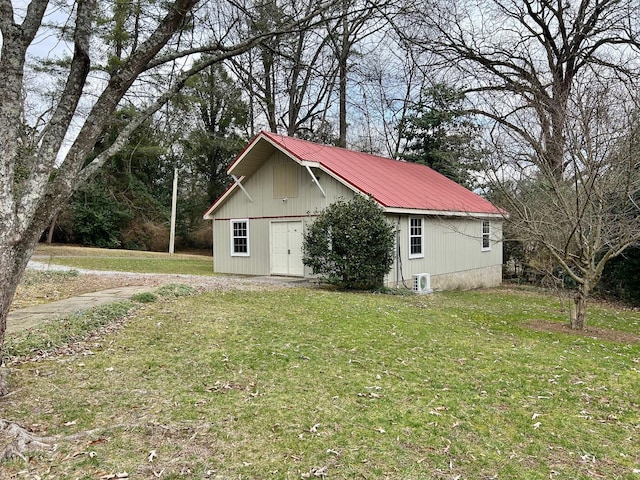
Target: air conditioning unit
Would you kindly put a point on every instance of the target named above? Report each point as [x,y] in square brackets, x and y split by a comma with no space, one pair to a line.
[422,283]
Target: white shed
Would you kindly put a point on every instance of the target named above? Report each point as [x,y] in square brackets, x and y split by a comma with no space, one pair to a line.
[281,183]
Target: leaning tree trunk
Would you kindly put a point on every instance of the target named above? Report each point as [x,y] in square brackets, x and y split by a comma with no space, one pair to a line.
[52,227]
[13,261]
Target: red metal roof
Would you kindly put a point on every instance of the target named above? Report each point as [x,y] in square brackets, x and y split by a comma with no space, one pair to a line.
[393,183]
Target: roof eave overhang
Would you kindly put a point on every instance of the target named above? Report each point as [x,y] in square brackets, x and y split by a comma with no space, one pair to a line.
[231,170]
[251,158]
[443,213]
[240,169]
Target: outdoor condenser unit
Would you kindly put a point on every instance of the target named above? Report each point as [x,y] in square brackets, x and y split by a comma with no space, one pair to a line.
[422,283]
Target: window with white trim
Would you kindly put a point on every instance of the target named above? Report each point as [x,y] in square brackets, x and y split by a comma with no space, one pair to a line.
[486,235]
[416,238]
[240,238]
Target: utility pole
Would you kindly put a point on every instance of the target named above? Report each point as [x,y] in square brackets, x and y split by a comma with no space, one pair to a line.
[174,201]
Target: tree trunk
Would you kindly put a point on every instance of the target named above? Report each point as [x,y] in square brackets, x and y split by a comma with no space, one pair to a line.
[13,261]
[342,87]
[269,90]
[52,227]
[579,311]
[343,69]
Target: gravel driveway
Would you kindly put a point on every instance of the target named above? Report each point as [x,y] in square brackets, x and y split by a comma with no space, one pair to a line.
[217,282]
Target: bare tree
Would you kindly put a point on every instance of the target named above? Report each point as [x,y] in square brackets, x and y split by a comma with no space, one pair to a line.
[257,68]
[359,20]
[290,79]
[299,83]
[555,79]
[398,82]
[589,215]
[38,170]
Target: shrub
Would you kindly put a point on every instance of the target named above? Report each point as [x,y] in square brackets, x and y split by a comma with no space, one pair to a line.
[98,218]
[350,244]
[146,235]
[144,297]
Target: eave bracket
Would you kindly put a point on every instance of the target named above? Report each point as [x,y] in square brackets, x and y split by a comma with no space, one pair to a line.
[237,182]
[315,180]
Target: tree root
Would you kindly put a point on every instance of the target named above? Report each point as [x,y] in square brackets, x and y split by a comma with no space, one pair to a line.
[4,381]
[21,441]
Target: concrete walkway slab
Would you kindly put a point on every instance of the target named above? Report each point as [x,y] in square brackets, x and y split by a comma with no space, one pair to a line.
[25,318]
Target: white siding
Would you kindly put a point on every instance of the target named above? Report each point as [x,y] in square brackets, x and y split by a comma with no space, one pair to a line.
[451,245]
[264,209]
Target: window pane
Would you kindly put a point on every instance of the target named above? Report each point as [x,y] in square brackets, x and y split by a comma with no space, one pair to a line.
[240,237]
[240,229]
[240,245]
[416,245]
[486,229]
[415,236]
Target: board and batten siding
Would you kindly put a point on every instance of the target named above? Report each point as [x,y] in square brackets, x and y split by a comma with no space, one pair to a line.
[453,253]
[267,207]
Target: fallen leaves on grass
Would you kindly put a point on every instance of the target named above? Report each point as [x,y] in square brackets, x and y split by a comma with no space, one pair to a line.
[111,476]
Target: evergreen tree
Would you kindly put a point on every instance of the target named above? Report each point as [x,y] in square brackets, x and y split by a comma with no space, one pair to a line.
[130,191]
[219,132]
[442,136]
[212,132]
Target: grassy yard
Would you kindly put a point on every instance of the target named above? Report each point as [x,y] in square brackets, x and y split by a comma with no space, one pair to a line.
[308,383]
[124,260]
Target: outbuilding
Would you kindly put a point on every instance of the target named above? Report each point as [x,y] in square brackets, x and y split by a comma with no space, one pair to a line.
[281,183]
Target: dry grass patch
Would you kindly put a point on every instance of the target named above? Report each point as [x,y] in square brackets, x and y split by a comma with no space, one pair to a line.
[44,251]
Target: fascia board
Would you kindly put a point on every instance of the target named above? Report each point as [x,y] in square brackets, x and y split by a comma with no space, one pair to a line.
[444,213]
[208,215]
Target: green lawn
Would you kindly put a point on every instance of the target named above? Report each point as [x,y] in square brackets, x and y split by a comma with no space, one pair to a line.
[192,265]
[119,260]
[308,383]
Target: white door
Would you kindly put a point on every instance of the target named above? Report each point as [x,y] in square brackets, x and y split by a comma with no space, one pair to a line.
[295,234]
[286,248]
